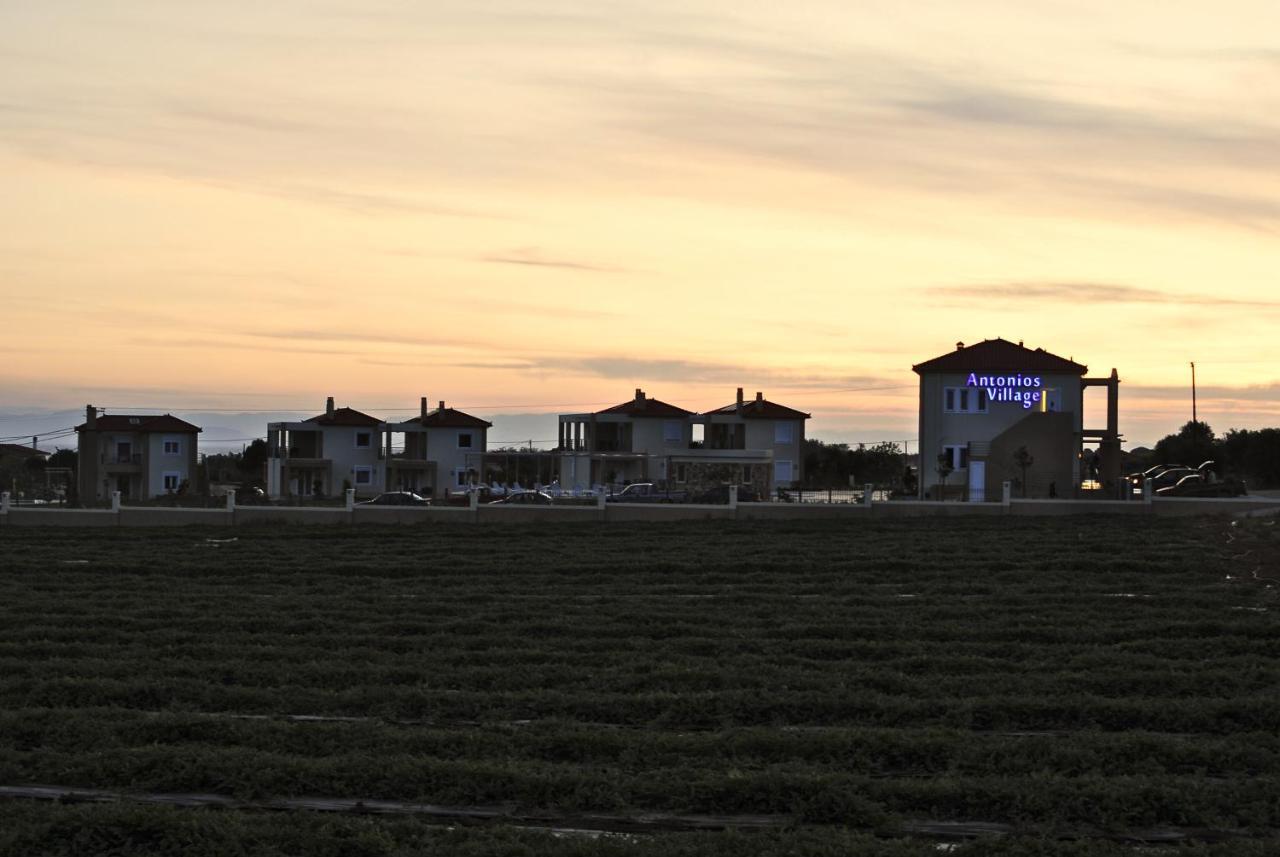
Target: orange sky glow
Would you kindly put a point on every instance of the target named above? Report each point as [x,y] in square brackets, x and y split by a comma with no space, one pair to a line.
[538,207]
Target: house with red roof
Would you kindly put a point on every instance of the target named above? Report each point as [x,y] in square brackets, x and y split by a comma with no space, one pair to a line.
[436,453]
[140,455]
[981,404]
[760,424]
[648,440]
[324,455]
[344,448]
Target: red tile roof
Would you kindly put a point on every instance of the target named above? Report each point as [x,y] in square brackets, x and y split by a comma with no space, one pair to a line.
[345,417]
[142,423]
[450,418]
[1000,354]
[761,409]
[646,407]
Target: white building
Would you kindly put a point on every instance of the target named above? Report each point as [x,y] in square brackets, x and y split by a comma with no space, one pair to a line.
[755,443]
[760,424]
[324,455]
[440,452]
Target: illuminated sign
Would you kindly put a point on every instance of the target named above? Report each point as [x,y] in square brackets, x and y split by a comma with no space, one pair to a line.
[1027,390]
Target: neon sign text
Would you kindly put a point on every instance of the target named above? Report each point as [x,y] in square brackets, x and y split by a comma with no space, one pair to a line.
[1024,389]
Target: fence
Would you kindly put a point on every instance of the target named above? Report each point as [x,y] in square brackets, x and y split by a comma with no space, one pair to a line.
[232,515]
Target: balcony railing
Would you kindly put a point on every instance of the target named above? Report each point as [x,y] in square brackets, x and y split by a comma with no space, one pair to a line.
[124,458]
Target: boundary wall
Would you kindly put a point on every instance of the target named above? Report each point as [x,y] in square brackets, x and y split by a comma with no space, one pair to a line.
[236,516]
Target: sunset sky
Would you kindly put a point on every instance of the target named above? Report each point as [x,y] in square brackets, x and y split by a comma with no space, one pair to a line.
[539,206]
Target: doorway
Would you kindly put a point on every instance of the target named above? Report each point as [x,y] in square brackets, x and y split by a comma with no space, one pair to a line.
[977,481]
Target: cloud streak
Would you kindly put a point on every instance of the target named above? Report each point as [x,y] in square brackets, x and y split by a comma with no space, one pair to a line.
[1013,293]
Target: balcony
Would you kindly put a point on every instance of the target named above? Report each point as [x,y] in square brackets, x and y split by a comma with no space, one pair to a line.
[123,462]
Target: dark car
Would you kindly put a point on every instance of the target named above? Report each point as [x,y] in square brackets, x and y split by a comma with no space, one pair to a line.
[525,498]
[719,495]
[1169,477]
[1199,485]
[396,498]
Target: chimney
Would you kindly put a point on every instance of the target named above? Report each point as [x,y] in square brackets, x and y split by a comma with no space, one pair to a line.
[35,442]
[639,395]
[959,346]
[328,407]
[441,405]
[759,397]
[1020,345]
[739,399]
[90,417]
[422,407]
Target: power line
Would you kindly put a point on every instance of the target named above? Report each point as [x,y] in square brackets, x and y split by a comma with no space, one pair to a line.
[479,407]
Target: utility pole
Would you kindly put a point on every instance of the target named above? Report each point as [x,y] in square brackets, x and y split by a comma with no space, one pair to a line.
[1193,392]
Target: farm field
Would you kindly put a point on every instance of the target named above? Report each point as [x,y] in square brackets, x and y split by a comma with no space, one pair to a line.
[1077,685]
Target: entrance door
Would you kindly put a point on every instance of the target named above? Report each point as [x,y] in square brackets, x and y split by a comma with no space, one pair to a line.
[977,481]
[122,485]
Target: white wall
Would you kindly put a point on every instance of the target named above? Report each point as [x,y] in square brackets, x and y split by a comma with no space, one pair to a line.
[939,429]
[340,449]
[158,463]
[442,448]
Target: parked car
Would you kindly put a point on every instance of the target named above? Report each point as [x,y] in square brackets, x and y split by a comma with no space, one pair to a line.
[719,495]
[396,498]
[1198,485]
[647,492]
[525,498]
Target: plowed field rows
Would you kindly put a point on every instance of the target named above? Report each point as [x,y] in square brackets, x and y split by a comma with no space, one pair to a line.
[1077,682]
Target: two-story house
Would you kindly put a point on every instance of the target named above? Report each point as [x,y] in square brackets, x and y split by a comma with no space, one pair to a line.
[648,440]
[140,455]
[761,425]
[324,455]
[980,405]
[441,451]
[629,442]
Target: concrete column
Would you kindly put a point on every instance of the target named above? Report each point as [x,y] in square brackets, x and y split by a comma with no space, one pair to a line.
[1006,493]
[1146,491]
[473,500]
[231,499]
[4,503]
[733,498]
[868,491]
[351,499]
[602,499]
[115,501]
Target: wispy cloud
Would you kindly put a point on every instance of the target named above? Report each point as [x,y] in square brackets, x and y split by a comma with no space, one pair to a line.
[1015,295]
[648,370]
[532,256]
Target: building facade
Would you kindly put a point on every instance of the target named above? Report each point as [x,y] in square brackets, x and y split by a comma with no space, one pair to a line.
[431,454]
[142,456]
[998,411]
[440,453]
[325,454]
[757,443]
[760,424]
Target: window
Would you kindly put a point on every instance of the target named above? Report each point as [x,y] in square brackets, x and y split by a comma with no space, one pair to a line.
[172,446]
[957,456]
[460,477]
[172,480]
[464,441]
[364,475]
[784,432]
[363,439]
[964,400]
[681,473]
[781,472]
[672,431]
